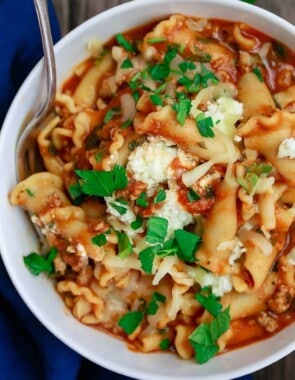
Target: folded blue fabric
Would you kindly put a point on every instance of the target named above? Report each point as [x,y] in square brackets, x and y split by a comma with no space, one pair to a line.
[27,350]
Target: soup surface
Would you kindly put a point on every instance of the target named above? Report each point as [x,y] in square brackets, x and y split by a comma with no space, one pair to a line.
[167,198]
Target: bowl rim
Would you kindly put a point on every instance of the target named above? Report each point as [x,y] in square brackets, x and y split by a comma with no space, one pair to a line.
[50,325]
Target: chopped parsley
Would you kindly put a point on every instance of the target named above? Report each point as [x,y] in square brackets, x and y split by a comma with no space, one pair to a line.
[192,195]
[142,200]
[111,113]
[122,41]
[124,245]
[101,239]
[252,176]
[120,206]
[126,124]
[156,99]
[153,305]
[209,301]
[186,65]
[76,193]
[30,192]
[38,264]
[137,223]
[188,243]
[258,73]
[205,125]
[156,230]
[182,108]
[156,40]
[165,344]
[130,321]
[204,338]
[98,156]
[146,258]
[160,197]
[126,64]
[103,183]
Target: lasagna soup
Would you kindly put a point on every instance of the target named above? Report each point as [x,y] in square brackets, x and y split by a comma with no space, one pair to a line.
[168,190]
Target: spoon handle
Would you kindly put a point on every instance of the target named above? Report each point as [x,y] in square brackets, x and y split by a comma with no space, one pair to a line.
[49,59]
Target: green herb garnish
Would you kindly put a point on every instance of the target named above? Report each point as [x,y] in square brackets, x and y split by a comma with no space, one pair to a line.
[126,64]
[137,223]
[103,183]
[209,301]
[126,124]
[122,41]
[153,305]
[130,321]
[156,230]
[156,40]
[258,73]
[99,240]
[164,344]
[142,200]
[111,113]
[156,99]
[192,195]
[124,245]
[204,338]
[182,108]
[205,125]
[160,197]
[146,258]
[188,243]
[30,192]
[38,264]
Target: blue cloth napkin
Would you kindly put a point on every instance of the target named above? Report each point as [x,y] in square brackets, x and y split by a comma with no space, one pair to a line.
[27,350]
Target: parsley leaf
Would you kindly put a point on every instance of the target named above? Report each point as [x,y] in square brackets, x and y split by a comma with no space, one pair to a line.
[182,108]
[142,200]
[103,183]
[156,40]
[110,114]
[168,248]
[130,321]
[205,125]
[160,71]
[122,41]
[156,230]
[258,73]
[126,124]
[210,302]
[137,223]
[204,338]
[164,344]
[124,245]
[38,264]
[120,206]
[160,197]
[157,100]
[153,305]
[146,258]
[99,240]
[188,243]
[193,196]
[186,65]
[126,64]
[30,192]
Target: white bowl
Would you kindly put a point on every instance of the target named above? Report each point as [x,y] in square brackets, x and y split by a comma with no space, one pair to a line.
[17,237]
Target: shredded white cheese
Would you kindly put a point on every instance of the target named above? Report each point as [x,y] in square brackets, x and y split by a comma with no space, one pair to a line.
[287,148]
[225,112]
[173,211]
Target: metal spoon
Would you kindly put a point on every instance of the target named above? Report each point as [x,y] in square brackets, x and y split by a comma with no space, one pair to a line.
[27,156]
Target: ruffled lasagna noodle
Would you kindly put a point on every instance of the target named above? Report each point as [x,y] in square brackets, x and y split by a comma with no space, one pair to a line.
[198,116]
